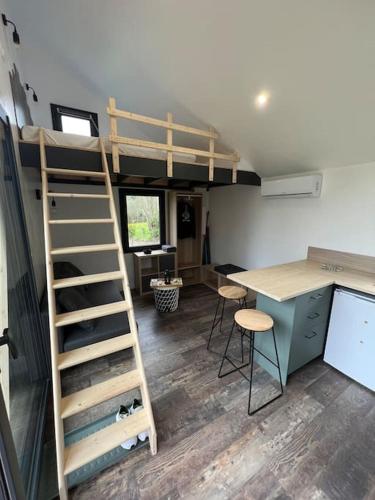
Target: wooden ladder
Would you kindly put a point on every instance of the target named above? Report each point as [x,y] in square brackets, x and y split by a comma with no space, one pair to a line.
[71,458]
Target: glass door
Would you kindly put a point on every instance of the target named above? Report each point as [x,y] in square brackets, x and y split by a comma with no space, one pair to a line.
[11,487]
[22,356]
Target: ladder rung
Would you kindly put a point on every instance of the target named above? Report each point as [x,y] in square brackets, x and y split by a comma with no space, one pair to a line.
[77,195]
[87,279]
[96,394]
[84,249]
[79,173]
[105,440]
[94,351]
[72,317]
[81,221]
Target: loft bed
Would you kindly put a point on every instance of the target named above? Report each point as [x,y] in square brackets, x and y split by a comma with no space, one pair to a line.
[138,162]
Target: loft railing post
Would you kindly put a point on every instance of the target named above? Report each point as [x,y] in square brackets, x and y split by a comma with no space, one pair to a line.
[169,143]
[113,124]
[234,172]
[211,159]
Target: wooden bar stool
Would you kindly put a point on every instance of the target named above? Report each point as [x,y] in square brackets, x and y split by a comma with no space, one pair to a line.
[252,322]
[227,293]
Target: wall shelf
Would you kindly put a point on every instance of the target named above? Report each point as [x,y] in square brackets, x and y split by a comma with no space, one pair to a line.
[150,266]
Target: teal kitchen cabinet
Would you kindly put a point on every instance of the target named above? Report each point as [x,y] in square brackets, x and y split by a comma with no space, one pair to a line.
[300,328]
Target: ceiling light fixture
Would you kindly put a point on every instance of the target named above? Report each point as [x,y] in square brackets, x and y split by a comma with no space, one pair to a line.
[28,87]
[6,21]
[262,100]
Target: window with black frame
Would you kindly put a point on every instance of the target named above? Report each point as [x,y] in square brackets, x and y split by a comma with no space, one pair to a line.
[142,219]
[74,121]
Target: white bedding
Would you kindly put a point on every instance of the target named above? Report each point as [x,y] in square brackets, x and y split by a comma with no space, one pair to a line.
[55,138]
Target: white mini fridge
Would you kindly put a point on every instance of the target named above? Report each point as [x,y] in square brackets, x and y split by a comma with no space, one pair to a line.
[350,346]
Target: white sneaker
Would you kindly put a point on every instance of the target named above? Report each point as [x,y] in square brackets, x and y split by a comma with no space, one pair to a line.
[137,406]
[121,414]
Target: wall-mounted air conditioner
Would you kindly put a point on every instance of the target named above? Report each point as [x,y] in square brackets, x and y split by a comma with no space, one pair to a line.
[303,186]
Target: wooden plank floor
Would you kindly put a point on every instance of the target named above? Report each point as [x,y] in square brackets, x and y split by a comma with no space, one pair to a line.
[316,442]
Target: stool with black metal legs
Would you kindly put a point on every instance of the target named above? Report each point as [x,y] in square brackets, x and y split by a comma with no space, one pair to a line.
[252,322]
[236,293]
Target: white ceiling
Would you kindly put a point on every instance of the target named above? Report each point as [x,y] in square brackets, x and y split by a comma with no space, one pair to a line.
[205,60]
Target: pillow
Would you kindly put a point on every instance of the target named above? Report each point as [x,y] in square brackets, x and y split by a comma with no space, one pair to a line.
[71,299]
[67,270]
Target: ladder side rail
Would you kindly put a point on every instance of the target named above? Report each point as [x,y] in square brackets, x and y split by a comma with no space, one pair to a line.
[133,325]
[59,429]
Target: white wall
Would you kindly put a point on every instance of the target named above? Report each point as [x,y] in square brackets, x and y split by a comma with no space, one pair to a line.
[253,232]
[29,179]
[53,83]
[56,83]
[7,57]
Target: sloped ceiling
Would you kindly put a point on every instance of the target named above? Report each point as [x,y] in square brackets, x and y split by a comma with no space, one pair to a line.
[205,60]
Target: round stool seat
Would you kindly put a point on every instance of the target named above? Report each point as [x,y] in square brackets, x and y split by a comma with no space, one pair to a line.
[253,320]
[232,292]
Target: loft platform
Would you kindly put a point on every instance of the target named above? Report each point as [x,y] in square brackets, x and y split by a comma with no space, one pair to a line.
[133,170]
[136,162]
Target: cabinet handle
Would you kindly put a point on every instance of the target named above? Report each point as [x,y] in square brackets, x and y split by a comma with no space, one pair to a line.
[313,315]
[317,296]
[314,334]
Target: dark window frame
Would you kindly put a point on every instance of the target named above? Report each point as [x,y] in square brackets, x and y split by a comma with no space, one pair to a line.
[123,192]
[58,111]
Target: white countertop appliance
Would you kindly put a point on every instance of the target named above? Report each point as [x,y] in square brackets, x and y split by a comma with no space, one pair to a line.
[350,346]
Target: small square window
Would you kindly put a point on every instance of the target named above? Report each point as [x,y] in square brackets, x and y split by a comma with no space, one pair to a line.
[74,121]
[73,125]
[142,219]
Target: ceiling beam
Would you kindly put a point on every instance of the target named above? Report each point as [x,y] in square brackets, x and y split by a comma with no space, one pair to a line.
[150,180]
[178,182]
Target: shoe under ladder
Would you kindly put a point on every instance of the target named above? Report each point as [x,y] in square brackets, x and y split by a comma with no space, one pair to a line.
[70,458]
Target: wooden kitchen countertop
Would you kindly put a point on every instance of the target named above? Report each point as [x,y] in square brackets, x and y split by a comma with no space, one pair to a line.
[287,281]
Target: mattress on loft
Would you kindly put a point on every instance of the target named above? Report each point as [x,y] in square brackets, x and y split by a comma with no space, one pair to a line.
[30,133]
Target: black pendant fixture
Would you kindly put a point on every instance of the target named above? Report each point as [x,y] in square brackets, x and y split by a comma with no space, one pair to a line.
[6,21]
[28,87]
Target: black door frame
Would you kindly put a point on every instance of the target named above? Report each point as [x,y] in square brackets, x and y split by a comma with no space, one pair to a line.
[10,477]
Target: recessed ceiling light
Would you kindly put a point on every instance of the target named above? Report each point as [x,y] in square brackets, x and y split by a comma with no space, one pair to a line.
[262,100]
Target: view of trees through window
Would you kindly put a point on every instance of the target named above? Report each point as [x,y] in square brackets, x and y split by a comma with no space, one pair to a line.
[143,220]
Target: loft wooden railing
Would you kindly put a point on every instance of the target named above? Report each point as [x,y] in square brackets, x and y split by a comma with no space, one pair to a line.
[169,147]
